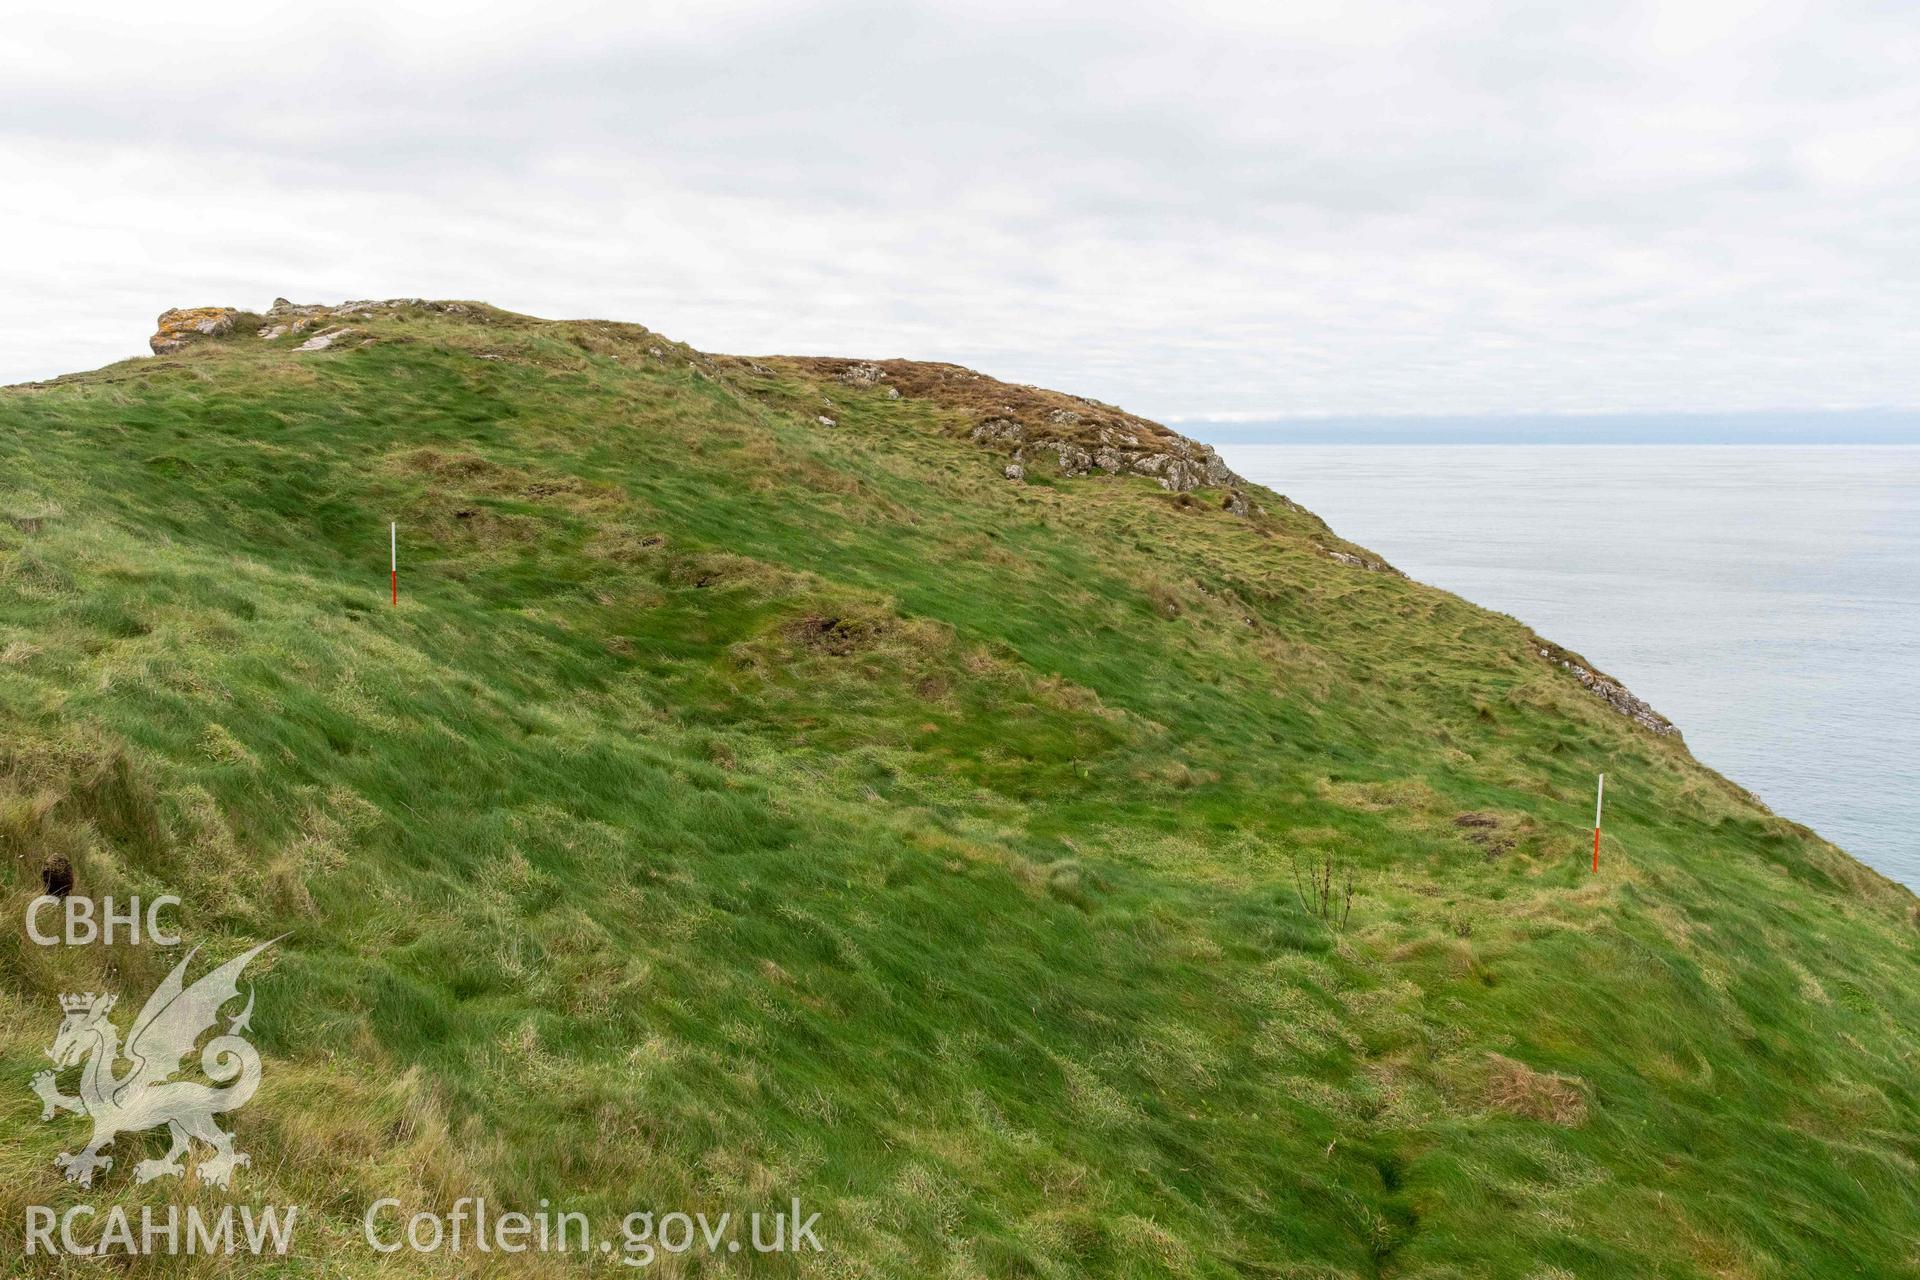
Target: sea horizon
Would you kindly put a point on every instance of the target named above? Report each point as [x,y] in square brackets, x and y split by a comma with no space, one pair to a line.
[1769,427]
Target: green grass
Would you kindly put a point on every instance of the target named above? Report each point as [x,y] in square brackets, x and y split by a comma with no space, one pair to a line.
[737,808]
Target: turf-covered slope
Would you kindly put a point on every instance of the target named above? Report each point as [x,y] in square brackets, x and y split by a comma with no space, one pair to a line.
[740,807]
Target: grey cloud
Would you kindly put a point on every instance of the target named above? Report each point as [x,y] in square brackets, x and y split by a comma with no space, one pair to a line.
[1229,210]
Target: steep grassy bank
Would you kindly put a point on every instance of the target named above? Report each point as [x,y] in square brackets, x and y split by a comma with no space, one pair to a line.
[758,795]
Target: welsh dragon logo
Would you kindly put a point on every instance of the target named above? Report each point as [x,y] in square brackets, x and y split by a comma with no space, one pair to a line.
[145,1095]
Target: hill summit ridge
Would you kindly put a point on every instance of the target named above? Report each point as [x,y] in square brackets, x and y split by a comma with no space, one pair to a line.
[1079,436]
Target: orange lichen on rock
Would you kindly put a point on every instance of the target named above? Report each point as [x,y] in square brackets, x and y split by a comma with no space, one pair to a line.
[183,325]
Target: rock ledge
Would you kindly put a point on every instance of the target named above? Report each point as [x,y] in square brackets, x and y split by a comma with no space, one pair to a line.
[184,326]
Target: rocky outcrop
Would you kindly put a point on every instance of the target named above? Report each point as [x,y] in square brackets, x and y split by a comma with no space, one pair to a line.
[184,326]
[284,318]
[1029,424]
[1184,464]
[1610,691]
[1177,463]
[1360,561]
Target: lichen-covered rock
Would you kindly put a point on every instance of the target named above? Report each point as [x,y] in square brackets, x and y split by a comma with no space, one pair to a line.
[1015,471]
[183,326]
[1074,461]
[1180,475]
[1179,464]
[999,431]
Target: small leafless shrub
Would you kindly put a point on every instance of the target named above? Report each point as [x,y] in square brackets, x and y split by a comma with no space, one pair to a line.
[1326,888]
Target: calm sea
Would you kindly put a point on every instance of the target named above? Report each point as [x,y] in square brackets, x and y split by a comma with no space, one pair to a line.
[1764,598]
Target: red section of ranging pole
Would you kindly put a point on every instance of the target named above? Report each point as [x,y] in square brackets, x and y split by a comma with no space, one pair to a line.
[1598,796]
[393,532]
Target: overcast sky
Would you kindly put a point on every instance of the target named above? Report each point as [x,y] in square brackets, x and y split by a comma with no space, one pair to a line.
[1237,211]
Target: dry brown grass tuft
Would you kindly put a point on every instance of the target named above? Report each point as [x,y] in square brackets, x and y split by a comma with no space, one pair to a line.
[1516,1088]
[839,634]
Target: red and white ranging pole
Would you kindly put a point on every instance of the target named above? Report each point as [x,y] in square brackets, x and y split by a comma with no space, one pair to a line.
[393,535]
[1598,797]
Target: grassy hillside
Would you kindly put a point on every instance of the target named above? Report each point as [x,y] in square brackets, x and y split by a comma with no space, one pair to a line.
[741,806]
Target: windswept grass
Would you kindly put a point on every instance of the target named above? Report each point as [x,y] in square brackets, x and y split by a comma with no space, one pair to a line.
[738,808]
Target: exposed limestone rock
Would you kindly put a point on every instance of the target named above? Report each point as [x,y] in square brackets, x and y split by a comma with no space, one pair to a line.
[999,431]
[1015,471]
[1610,691]
[324,339]
[1074,461]
[185,325]
[1359,562]
[182,326]
[825,421]
[1180,465]
[1083,435]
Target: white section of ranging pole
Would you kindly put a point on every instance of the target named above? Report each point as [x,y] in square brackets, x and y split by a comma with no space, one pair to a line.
[393,534]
